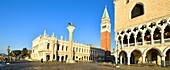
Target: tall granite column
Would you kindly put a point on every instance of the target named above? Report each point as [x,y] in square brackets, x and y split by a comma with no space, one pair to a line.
[70,52]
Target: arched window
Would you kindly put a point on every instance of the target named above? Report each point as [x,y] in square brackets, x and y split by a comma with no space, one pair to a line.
[48,45]
[138,10]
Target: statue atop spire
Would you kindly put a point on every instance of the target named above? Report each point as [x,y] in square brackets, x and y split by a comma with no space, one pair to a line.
[52,34]
[45,34]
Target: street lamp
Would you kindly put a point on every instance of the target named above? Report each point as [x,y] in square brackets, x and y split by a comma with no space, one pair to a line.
[117,50]
[8,50]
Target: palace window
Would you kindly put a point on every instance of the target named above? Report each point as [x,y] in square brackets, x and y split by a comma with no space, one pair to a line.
[58,47]
[54,56]
[104,26]
[66,48]
[48,45]
[138,10]
[62,47]
[76,49]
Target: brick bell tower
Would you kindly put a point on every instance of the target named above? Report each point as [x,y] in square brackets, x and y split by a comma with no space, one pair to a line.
[105,34]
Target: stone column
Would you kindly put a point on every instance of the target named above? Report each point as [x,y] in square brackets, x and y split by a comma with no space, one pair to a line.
[44,57]
[116,60]
[152,40]
[163,61]
[70,55]
[64,48]
[52,45]
[143,58]
[162,36]
[135,40]
[128,41]
[143,39]
[64,59]
[60,47]
[128,60]
[60,58]
[120,59]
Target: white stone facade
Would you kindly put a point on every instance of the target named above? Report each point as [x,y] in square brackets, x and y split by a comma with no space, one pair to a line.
[54,49]
[142,32]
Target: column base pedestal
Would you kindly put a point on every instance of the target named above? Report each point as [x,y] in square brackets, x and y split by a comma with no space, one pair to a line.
[70,61]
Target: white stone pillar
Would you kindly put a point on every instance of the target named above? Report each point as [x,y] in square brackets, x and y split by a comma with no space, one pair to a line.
[163,61]
[64,59]
[128,60]
[116,60]
[128,41]
[51,57]
[143,38]
[60,58]
[64,48]
[135,40]
[60,48]
[44,57]
[70,47]
[162,36]
[120,59]
[152,40]
[143,58]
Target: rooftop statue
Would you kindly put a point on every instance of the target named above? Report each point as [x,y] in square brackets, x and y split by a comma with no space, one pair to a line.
[71,24]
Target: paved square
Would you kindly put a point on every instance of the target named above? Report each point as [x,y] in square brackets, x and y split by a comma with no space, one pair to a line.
[73,66]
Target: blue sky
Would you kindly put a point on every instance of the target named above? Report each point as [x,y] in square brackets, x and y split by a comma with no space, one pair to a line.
[23,20]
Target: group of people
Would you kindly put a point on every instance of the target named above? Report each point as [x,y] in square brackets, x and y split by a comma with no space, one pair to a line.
[5,60]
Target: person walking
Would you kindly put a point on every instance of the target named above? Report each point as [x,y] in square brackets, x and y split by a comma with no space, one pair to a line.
[42,60]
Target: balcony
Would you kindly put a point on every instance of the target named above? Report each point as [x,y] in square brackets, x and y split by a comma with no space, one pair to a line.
[148,42]
[132,44]
[139,43]
[125,45]
[167,40]
[157,41]
[167,63]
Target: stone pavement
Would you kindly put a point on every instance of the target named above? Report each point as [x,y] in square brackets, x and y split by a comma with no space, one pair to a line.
[73,66]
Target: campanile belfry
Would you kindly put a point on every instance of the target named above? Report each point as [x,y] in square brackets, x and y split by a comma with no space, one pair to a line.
[105,41]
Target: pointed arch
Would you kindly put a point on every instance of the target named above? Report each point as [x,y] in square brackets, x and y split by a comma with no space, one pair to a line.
[135,56]
[148,36]
[146,50]
[157,34]
[165,50]
[134,50]
[125,40]
[167,32]
[139,38]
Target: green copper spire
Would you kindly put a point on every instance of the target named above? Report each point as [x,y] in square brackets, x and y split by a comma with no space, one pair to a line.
[105,14]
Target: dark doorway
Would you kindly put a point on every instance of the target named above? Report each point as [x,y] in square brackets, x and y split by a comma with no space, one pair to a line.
[132,59]
[58,58]
[154,56]
[48,57]
[62,58]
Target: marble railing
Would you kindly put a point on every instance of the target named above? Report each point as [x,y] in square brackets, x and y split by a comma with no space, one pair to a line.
[147,42]
[167,40]
[157,41]
[167,63]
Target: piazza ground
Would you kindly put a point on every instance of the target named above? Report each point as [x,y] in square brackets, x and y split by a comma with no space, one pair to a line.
[74,66]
